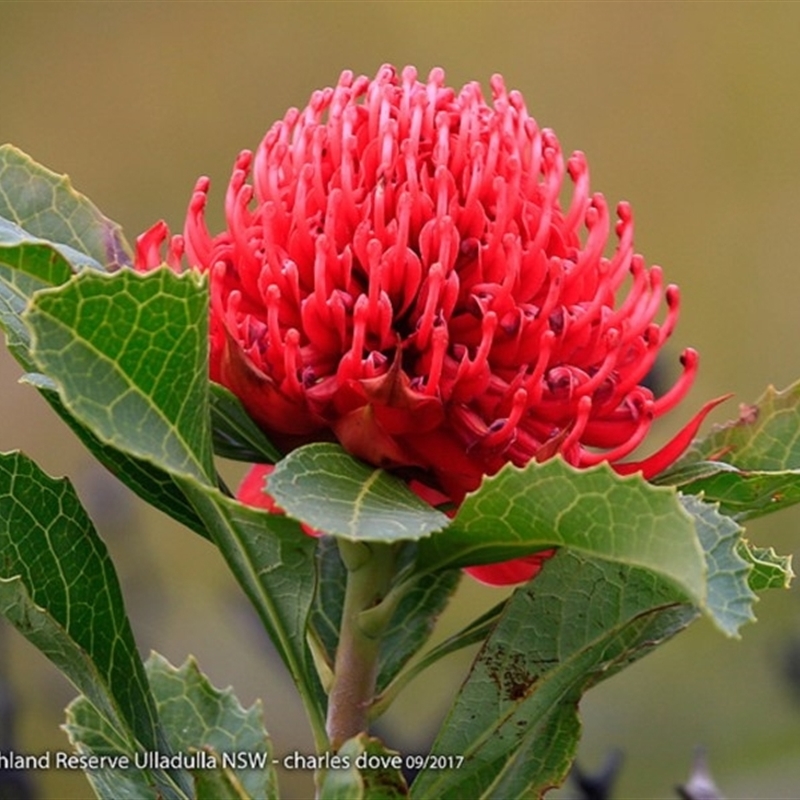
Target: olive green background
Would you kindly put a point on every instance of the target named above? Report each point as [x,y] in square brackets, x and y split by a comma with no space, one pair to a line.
[688,110]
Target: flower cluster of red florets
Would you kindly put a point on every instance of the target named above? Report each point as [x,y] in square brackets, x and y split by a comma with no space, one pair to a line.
[398,274]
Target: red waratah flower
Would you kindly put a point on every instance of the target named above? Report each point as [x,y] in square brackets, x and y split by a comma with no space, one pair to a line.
[398,274]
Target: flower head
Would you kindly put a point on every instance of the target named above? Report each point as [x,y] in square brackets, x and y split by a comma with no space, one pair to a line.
[398,273]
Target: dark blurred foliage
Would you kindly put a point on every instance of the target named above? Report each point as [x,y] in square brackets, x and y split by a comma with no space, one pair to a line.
[597,785]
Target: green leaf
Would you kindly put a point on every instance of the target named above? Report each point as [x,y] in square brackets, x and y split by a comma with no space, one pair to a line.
[751,466]
[326,610]
[26,265]
[582,619]
[199,717]
[236,436]
[46,205]
[373,773]
[591,511]
[410,625]
[741,494]
[202,723]
[273,561]
[769,570]
[331,491]
[25,269]
[344,782]
[413,621]
[730,599]
[152,484]
[59,589]
[128,352]
[385,781]
[515,719]
[14,237]
[765,437]
[93,737]
[218,784]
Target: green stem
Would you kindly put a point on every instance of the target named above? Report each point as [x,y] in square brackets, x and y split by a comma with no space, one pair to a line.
[370,567]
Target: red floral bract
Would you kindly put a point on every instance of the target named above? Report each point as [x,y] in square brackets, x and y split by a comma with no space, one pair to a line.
[398,274]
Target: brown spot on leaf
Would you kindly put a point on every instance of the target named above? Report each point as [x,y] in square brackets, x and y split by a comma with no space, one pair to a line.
[510,674]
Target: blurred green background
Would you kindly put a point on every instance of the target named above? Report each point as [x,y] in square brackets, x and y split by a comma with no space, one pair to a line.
[689,110]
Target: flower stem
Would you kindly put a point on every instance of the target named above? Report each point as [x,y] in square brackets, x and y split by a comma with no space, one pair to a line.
[370,567]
